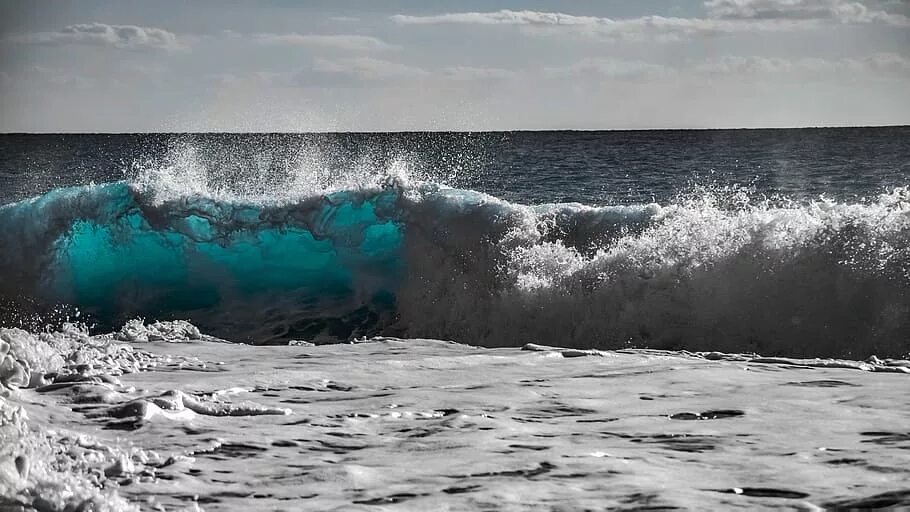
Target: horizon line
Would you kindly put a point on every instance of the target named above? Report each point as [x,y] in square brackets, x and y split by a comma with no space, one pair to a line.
[392,132]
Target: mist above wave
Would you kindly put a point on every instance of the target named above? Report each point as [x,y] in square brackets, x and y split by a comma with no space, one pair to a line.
[266,171]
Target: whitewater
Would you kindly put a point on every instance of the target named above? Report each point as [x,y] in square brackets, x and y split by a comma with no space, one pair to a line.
[198,333]
[717,271]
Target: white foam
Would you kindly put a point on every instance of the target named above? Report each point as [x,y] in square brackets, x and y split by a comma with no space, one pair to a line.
[814,278]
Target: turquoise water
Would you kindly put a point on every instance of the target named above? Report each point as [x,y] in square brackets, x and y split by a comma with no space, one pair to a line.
[116,257]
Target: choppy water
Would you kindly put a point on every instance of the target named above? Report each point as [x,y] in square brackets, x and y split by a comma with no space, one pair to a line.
[792,242]
[595,168]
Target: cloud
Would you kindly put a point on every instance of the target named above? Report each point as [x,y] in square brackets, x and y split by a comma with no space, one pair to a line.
[477,74]
[368,68]
[842,11]
[879,64]
[99,34]
[608,68]
[503,17]
[46,77]
[745,65]
[889,62]
[368,71]
[892,6]
[251,79]
[347,42]
[724,16]
[657,27]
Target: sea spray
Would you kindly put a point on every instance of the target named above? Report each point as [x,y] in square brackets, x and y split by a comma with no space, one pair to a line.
[421,259]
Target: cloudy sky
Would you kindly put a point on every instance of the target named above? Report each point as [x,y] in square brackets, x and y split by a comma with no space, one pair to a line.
[366,65]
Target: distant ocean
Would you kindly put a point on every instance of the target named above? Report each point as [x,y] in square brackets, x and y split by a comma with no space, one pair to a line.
[792,242]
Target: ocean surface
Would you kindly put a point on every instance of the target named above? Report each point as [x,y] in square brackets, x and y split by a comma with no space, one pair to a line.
[689,320]
[779,242]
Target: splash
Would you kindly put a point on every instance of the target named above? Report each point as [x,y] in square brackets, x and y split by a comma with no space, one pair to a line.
[330,257]
[264,177]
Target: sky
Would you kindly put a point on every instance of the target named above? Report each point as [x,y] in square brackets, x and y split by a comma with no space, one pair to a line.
[400,65]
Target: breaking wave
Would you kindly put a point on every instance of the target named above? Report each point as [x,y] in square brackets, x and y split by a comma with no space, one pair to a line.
[716,271]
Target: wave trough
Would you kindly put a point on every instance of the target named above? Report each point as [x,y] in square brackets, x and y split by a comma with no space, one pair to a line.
[422,260]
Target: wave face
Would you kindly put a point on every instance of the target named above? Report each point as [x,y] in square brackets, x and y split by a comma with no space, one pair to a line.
[714,272]
[325,265]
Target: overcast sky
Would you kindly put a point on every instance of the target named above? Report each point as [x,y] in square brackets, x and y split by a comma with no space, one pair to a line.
[295,65]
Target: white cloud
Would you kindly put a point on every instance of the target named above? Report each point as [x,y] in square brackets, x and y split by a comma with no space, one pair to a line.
[251,79]
[608,68]
[882,63]
[724,16]
[746,65]
[100,34]
[477,74]
[890,62]
[368,68]
[503,17]
[347,42]
[658,27]
[364,70]
[842,11]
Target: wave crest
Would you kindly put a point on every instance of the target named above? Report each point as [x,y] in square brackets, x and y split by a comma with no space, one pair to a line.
[821,278]
[335,261]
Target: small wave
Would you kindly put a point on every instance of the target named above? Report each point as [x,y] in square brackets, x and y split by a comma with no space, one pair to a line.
[329,263]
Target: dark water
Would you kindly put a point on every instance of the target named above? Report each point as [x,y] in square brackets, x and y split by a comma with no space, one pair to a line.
[594,168]
[792,242]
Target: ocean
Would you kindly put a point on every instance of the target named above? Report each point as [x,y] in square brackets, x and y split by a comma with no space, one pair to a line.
[784,242]
[650,320]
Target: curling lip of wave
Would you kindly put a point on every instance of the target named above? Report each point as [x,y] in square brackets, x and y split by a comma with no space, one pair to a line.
[819,278]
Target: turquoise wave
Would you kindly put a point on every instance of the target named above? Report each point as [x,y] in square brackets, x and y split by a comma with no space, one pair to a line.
[815,278]
[116,255]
